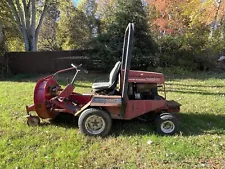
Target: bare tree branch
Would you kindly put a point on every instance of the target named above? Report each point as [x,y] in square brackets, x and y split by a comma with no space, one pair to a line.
[214,25]
[28,4]
[218,2]
[13,8]
[21,15]
[33,25]
[24,3]
[19,22]
[41,18]
[27,13]
[22,19]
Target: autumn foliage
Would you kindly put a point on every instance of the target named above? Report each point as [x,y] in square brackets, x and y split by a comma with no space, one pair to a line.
[184,33]
[190,33]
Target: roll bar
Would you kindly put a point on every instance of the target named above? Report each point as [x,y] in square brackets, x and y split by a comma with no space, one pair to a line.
[126,61]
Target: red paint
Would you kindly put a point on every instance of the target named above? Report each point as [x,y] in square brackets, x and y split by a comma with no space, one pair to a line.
[144,77]
[48,102]
[42,96]
[79,98]
[30,108]
[45,100]
[136,108]
[114,111]
[67,91]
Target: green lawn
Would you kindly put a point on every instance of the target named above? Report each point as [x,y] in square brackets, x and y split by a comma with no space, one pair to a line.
[132,144]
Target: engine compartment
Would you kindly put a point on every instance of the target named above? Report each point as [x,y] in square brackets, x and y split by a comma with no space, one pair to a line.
[143,91]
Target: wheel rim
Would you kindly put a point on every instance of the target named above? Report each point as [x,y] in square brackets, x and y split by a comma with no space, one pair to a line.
[34,121]
[95,124]
[167,127]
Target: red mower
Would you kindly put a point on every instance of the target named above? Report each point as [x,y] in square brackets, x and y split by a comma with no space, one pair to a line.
[136,96]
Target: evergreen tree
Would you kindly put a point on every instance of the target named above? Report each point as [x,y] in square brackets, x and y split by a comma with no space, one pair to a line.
[110,42]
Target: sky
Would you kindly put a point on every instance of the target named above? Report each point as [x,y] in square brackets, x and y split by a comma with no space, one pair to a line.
[75,1]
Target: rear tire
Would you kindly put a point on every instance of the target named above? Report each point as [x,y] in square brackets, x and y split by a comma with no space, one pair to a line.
[95,122]
[166,124]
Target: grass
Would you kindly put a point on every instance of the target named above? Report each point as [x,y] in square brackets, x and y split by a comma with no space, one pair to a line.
[131,144]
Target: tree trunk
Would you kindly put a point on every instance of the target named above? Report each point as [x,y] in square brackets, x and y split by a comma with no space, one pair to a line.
[40,23]
[33,26]
[215,24]
[27,21]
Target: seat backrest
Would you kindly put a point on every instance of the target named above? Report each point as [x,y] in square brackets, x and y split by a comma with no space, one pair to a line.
[113,77]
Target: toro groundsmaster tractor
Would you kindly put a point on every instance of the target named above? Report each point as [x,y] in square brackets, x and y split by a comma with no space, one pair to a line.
[127,95]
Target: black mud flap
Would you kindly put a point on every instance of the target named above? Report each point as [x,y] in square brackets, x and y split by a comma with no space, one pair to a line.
[173,106]
[172,103]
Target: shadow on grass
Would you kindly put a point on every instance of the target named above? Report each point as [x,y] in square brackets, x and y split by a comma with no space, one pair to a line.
[65,120]
[201,92]
[118,127]
[198,86]
[200,123]
[196,75]
[190,124]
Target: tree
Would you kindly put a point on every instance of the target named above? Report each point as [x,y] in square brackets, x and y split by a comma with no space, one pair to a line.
[47,40]
[89,8]
[182,29]
[110,42]
[25,16]
[73,27]
[165,16]
[218,6]
[12,39]
[1,34]
[105,13]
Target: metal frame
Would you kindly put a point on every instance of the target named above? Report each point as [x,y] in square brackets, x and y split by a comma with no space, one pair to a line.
[126,61]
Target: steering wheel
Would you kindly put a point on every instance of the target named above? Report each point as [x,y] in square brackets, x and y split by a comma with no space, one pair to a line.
[79,68]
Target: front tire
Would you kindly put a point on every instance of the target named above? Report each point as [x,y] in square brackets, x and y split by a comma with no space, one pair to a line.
[95,122]
[166,124]
[33,121]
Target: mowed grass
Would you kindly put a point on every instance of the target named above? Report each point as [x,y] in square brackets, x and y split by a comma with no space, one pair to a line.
[200,142]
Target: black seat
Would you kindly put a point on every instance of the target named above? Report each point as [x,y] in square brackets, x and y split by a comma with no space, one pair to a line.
[113,78]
